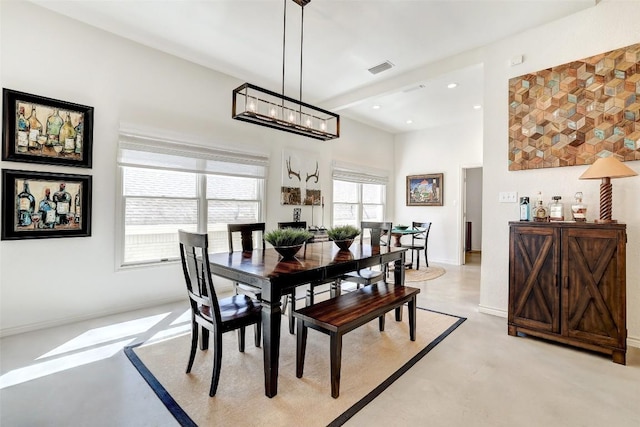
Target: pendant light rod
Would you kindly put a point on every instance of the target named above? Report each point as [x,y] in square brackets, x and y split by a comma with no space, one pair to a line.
[265,108]
[301,40]
[284,42]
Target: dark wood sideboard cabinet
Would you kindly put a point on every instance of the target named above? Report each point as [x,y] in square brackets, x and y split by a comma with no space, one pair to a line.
[567,283]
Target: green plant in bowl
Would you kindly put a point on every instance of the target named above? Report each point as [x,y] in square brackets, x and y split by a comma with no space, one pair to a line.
[343,235]
[287,241]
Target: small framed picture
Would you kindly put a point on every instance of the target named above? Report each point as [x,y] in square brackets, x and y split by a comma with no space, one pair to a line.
[43,130]
[425,190]
[38,205]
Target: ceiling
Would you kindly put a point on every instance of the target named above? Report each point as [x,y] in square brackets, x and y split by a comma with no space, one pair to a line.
[342,40]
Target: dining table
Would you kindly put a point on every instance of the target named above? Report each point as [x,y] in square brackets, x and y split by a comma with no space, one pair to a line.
[397,233]
[276,276]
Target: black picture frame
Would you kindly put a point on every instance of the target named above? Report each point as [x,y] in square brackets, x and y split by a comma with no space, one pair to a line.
[44,144]
[39,216]
[425,190]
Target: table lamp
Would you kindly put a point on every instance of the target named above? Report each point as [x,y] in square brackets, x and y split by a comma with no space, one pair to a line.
[606,168]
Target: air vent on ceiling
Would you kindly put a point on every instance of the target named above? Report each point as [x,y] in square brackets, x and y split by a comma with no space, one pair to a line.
[412,88]
[386,65]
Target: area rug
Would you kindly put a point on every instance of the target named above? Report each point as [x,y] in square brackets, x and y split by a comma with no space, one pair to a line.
[371,362]
[423,274]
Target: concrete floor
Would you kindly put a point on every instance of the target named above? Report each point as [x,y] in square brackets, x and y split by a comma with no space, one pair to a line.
[77,375]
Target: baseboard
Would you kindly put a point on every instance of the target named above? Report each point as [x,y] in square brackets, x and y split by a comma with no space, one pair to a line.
[5,332]
[633,342]
[492,311]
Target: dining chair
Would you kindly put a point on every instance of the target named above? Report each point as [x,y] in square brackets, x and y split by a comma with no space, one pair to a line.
[247,241]
[209,313]
[380,235]
[419,242]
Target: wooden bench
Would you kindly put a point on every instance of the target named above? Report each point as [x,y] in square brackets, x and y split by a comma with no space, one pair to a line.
[344,313]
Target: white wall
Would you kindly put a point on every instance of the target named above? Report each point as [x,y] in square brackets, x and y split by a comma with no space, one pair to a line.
[607,26]
[50,281]
[445,149]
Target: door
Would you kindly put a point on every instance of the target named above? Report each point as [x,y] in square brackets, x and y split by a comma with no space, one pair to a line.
[534,297]
[593,290]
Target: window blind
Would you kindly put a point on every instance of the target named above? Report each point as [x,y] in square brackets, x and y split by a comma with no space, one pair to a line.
[140,150]
[360,174]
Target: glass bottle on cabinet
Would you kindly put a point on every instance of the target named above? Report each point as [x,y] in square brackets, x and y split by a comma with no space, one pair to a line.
[540,213]
[556,209]
[579,209]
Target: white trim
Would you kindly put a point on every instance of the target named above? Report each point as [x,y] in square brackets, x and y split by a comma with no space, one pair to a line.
[492,311]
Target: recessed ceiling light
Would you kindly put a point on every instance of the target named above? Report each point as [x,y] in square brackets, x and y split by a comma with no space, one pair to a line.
[376,107]
[452,85]
[477,107]
[409,121]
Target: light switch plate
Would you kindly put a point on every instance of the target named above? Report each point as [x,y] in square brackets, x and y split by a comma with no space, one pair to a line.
[508,197]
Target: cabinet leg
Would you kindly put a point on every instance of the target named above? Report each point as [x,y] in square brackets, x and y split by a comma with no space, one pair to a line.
[619,356]
[513,331]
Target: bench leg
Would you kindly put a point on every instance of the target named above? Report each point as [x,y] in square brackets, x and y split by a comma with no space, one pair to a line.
[399,314]
[381,322]
[412,318]
[336,362]
[301,347]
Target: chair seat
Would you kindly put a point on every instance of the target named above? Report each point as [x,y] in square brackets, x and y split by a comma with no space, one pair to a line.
[237,306]
[365,275]
[417,247]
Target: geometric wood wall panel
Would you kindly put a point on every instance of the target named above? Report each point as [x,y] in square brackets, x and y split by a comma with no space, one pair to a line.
[575,113]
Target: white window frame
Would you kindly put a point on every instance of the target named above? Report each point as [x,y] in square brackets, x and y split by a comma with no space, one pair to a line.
[208,161]
[359,175]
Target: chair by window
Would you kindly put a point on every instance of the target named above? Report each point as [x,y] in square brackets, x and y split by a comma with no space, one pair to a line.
[246,237]
[380,235]
[209,313]
[419,242]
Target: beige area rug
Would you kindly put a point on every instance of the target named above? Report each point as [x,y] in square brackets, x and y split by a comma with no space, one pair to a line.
[423,274]
[371,361]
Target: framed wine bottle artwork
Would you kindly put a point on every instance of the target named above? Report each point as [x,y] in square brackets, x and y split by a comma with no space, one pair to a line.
[36,129]
[38,205]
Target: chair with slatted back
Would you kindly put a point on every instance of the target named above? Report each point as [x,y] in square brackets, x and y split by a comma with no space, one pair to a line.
[247,238]
[380,235]
[419,242]
[208,313]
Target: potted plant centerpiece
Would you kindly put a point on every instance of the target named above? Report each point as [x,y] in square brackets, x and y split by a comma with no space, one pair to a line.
[287,241]
[343,235]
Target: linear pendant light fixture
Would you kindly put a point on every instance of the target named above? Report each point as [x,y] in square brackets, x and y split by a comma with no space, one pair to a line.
[266,108]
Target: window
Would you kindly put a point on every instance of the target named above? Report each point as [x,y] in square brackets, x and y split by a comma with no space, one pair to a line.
[357,195]
[166,186]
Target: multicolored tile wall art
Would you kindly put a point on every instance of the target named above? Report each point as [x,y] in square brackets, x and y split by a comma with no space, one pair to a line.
[574,113]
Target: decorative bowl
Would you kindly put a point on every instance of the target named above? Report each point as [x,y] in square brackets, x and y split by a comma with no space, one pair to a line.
[402,227]
[288,251]
[344,245]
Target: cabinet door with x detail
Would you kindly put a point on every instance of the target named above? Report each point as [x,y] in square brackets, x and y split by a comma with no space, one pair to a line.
[593,294]
[534,294]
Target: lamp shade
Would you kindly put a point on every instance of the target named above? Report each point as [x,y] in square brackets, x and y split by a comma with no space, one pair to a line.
[608,167]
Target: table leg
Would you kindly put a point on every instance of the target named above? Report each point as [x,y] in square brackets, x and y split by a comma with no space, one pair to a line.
[271,319]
